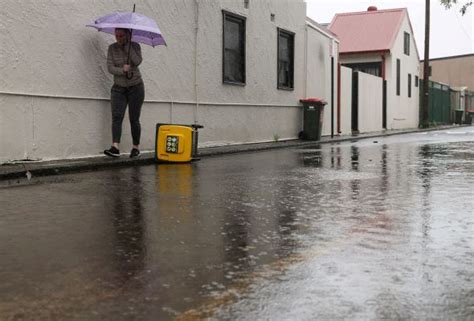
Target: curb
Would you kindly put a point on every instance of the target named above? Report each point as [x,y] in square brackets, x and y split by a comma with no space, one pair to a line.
[48,168]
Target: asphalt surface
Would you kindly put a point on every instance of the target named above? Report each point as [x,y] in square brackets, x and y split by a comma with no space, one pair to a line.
[373,229]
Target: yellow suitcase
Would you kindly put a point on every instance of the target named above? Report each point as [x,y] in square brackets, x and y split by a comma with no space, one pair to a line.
[175,143]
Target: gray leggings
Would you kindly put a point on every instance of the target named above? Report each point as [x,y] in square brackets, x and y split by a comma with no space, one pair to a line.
[121,97]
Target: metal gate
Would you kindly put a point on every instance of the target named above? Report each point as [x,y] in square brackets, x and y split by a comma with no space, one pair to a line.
[439,103]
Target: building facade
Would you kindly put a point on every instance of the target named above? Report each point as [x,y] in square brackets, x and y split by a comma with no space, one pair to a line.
[455,71]
[322,58]
[55,89]
[381,43]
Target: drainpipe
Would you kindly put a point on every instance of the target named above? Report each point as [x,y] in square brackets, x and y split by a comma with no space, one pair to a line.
[383,67]
[305,80]
[305,62]
[384,94]
[196,89]
[338,98]
[332,96]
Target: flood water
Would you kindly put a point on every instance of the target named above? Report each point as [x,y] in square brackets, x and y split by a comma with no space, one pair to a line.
[375,229]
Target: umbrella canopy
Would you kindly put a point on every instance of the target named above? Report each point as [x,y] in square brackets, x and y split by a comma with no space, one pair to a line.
[144,29]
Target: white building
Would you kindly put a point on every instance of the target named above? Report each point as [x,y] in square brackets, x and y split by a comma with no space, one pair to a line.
[322,58]
[55,88]
[381,43]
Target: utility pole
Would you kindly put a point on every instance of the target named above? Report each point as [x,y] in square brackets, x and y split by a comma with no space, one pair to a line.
[426,67]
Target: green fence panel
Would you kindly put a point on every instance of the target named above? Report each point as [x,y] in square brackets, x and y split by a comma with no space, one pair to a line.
[439,104]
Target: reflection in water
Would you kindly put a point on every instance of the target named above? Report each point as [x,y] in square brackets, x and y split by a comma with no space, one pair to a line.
[237,224]
[355,158]
[236,239]
[383,219]
[315,159]
[286,209]
[426,170]
[286,230]
[384,168]
[425,173]
[174,187]
[336,160]
[127,212]
[355,183]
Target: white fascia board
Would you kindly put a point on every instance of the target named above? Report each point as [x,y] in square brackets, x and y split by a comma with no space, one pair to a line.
[322,31]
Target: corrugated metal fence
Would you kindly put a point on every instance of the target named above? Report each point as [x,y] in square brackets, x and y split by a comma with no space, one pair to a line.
[440,103]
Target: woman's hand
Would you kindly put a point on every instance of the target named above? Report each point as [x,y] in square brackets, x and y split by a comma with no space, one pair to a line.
[126,68]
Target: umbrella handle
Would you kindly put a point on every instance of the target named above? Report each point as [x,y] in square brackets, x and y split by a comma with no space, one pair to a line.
[129,75]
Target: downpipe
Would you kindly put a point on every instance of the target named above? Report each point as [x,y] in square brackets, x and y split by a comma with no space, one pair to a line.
[196,87]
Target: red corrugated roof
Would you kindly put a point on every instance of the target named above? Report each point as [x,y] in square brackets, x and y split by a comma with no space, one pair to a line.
[367,31]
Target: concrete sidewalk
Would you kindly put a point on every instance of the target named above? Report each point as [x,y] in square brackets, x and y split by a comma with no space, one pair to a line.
[26,169]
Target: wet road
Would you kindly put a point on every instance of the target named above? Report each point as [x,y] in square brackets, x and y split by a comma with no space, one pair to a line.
[370,230]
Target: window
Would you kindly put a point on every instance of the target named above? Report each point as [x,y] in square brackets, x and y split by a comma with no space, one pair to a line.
[409,85]
[286,53]
[398,77]
[416,81]
[233,49]
[406,44]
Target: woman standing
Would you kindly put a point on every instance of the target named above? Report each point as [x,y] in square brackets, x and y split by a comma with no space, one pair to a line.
[123,59]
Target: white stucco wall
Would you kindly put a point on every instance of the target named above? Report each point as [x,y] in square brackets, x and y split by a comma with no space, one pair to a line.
[346,101]
[370,103]
[54,88]
[402,111]
[320,48]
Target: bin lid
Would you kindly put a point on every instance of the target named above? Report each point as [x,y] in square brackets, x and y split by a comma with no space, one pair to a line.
[313,100]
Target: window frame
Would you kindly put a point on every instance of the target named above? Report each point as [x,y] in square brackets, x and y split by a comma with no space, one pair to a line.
[416,81]
[291,35]
[406,43]
[226,15]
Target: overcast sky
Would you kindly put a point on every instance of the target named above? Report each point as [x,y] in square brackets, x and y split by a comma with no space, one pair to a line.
[451,33]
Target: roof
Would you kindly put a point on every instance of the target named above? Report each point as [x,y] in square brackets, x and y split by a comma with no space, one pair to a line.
[367,31]
[450,57]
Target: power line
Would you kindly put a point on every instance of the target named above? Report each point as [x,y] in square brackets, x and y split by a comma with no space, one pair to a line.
[462,26]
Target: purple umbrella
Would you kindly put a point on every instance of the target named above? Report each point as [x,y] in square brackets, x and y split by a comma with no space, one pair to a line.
[144,30]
